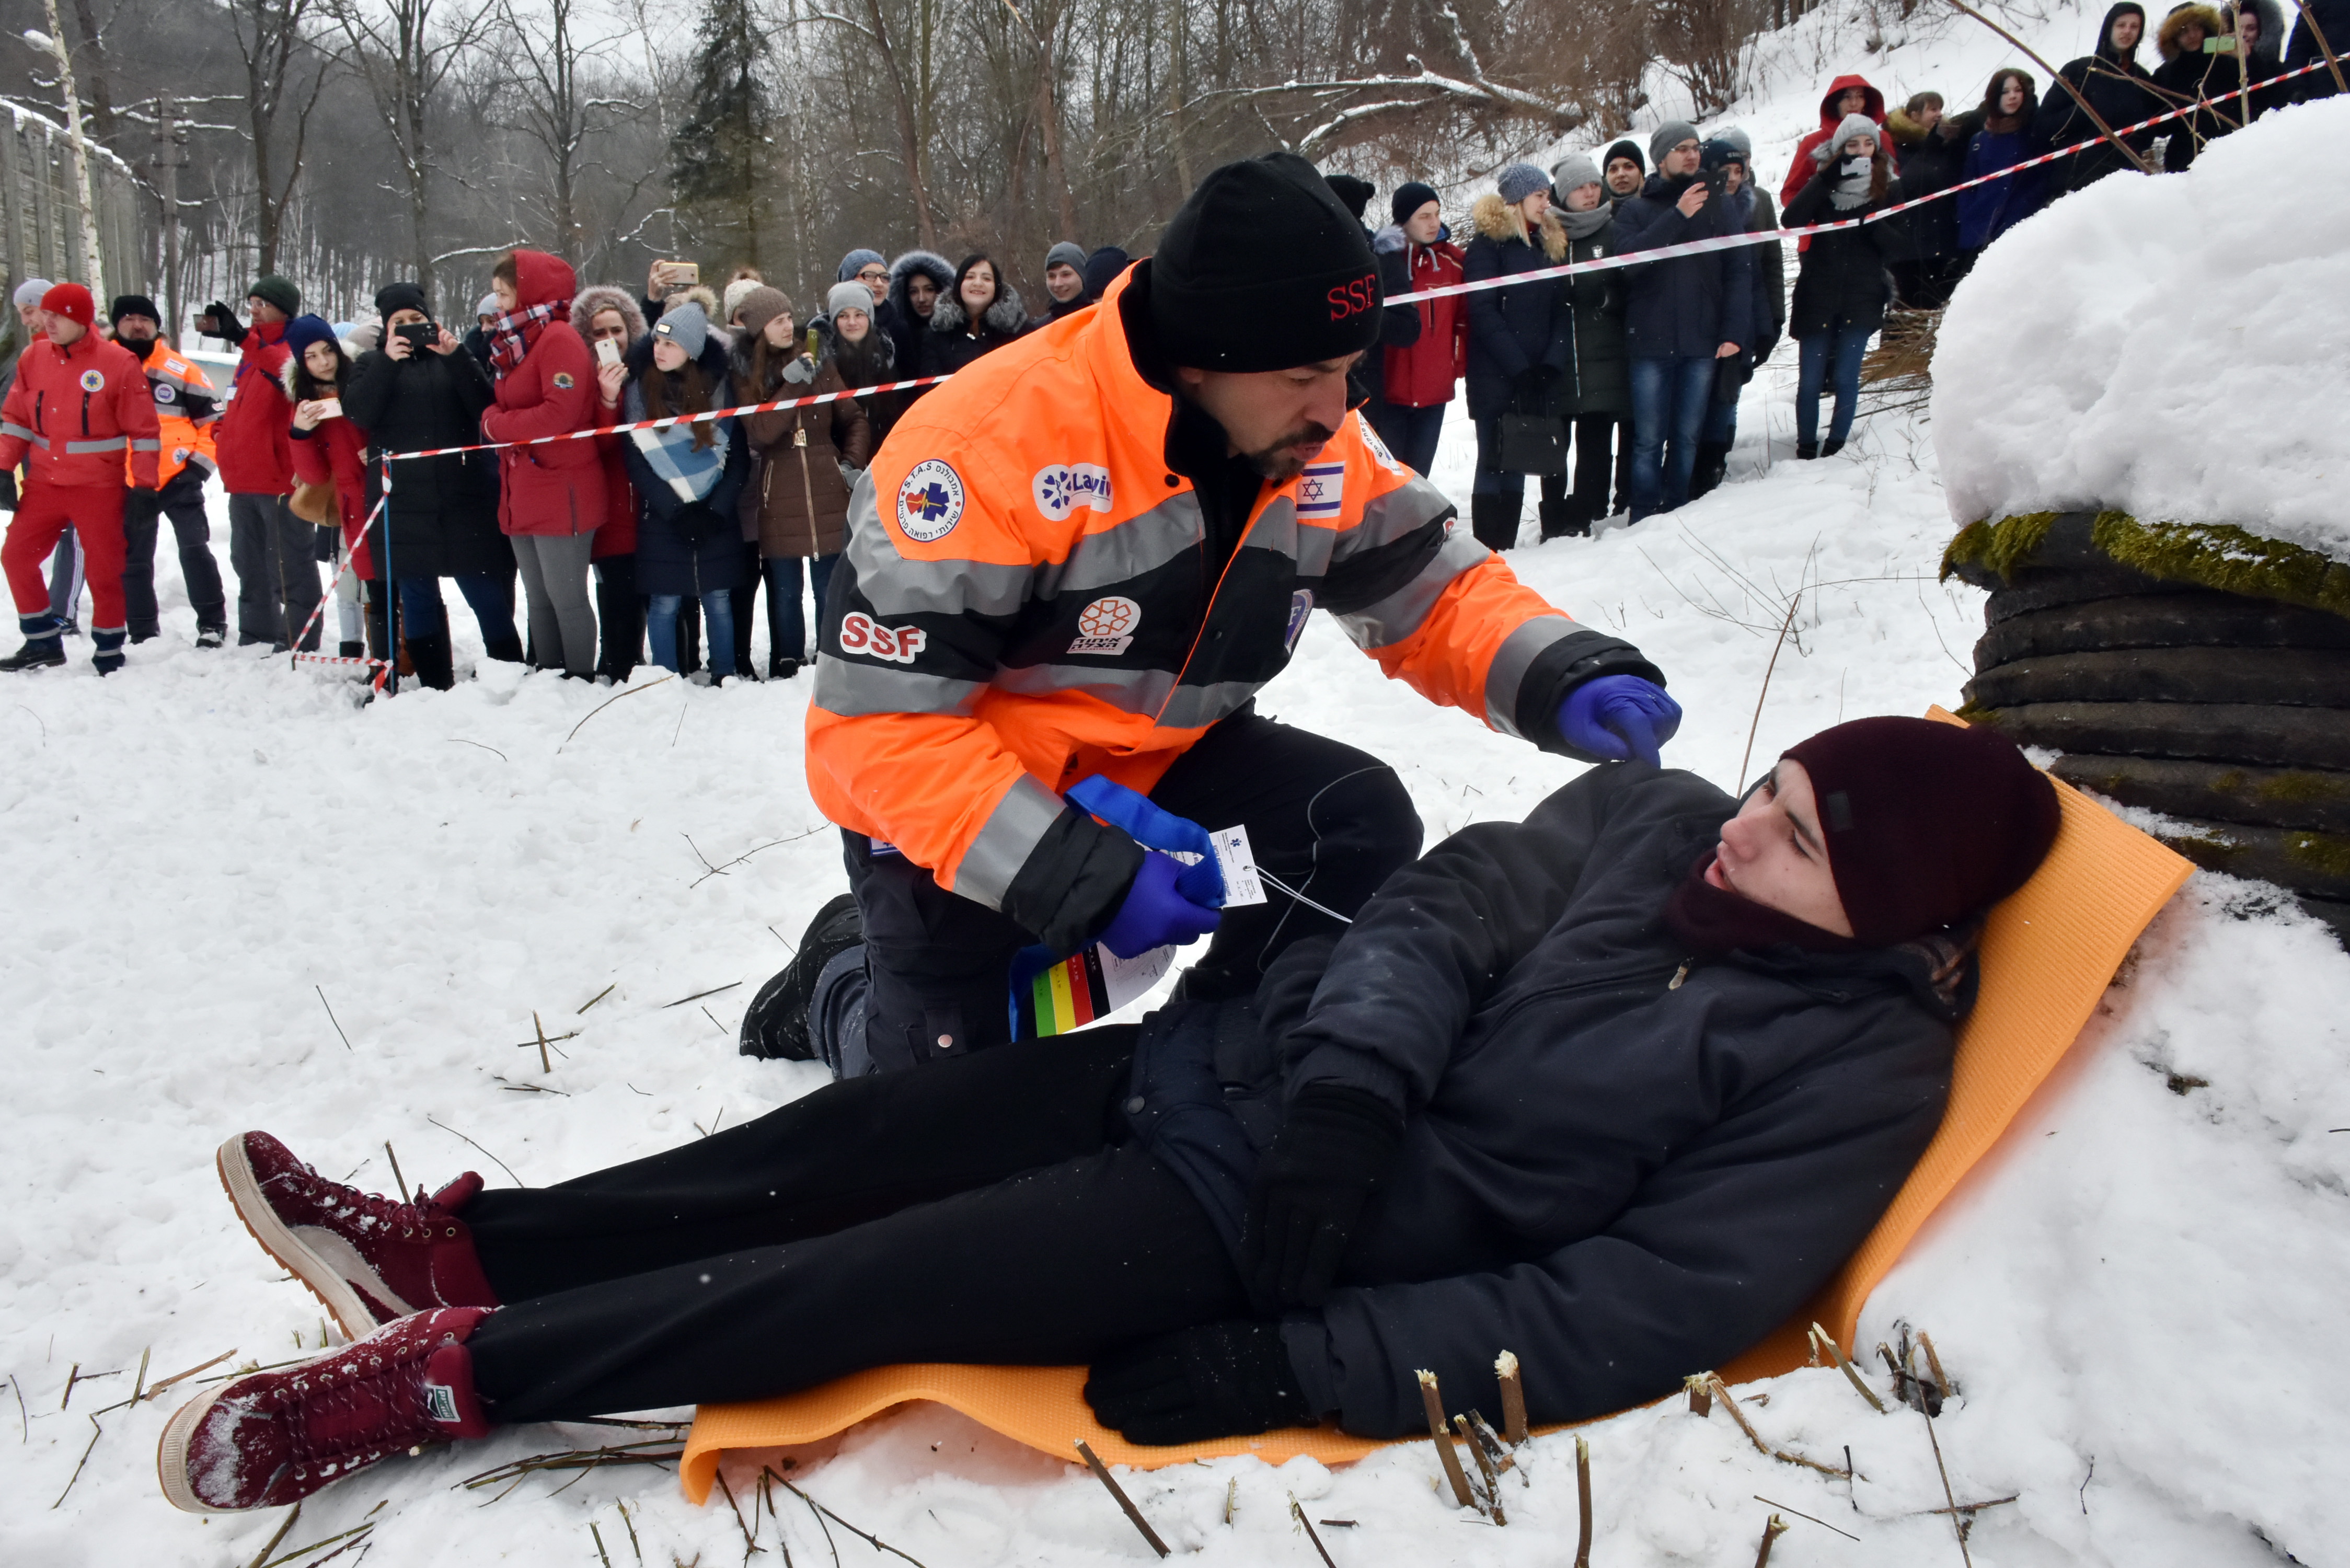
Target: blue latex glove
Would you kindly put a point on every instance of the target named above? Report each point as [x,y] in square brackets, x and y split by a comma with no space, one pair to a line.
[1154,828]
[1156,912]
[1618,716]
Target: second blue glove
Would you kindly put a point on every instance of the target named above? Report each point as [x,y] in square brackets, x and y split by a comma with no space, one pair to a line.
[1614,717]
[1156,912]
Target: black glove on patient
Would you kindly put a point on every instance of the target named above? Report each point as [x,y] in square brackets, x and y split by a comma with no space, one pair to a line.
[1227,1379]
[1310,1191]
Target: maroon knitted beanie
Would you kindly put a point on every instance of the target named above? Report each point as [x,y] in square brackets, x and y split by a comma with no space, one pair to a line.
[1927,823]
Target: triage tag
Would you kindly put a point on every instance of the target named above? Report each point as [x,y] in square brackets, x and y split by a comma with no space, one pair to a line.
[1238,863]
[1087,986]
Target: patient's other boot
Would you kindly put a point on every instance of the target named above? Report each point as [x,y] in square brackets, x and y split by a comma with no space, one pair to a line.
[274,1437]
[776,1026]
[368,1259]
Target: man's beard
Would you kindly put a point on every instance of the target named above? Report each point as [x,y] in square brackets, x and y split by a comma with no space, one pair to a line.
[139,346]
[1280,462]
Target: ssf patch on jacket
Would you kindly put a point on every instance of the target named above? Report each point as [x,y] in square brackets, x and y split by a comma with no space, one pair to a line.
[1030,596]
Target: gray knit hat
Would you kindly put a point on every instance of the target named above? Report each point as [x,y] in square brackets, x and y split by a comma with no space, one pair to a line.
[1667,136]
[686,325]
[1736,136]
[1520,181]
[29,292]
[1065,254]
[850,296]
[488,306]
[1572,172]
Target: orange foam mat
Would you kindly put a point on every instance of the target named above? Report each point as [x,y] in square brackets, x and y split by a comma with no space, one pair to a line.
[2047,954]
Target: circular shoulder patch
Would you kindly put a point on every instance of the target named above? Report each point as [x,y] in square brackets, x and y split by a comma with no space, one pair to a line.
[563,381]
[165,392]
[929,502]
[93,381]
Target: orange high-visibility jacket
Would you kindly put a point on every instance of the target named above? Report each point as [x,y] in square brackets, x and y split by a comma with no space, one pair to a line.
[186,408]
[1024,601]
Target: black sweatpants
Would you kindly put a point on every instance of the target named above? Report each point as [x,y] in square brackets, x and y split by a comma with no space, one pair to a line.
[183,500]
[984,1212]
[1328,820]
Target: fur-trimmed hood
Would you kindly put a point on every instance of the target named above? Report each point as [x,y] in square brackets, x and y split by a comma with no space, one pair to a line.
[2272,26]
[930,265]
[2178,21]
[1004,318]
[598,297]
[1501,223]
[1906,132]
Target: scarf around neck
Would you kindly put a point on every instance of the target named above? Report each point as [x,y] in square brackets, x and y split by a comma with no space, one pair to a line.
[669,452]
[1583,225]
[1851,188]
[512,335]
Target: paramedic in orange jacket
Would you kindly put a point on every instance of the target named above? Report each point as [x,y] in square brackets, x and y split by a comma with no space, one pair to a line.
[1082,556]
[186,408]
[78,403]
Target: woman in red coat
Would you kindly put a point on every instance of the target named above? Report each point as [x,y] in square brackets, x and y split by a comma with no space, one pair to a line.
[1421,378]
[330,450]
[551,498]
[609,315]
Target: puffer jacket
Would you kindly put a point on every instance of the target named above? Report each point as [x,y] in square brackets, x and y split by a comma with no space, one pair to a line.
[1619,1160]
[251,439]
[74,411]
[1687,307]
[556,488]
[2188,77]
[871,361]
[335,452]
[687,547]
[1843,283]
[445,510]
[1521,334]
[1603,370]
[952,342]
[1422,374]
[1931,161]
[1799,173]
[907,329]
[797,499]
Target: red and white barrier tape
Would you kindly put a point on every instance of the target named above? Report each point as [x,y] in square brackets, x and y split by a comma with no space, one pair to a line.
[320,608]
[663,424]
[1765,236]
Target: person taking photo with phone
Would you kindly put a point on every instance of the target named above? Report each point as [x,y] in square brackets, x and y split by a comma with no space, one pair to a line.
[418,391]
[269,548]
[1843,288]
[329,467]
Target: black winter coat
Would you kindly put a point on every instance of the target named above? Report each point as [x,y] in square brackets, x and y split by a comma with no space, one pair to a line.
[445,510]
[2332,17]
[1931,161]
[2122,93]
[687,547]
[948,347]
[1689,306]
[1618,1167]
[2185,78]
[907,329]
[1520,339]
[1603,371]
[1842,281]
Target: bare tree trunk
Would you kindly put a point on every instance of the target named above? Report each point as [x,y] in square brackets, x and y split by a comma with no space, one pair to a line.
[93,71]
[909,140]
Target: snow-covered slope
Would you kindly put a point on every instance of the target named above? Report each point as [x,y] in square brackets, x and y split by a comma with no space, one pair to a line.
[2174,348]
[2139,1298]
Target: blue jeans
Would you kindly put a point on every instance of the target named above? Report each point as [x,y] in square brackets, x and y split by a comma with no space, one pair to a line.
[1411,433]
[1849,344]
[786,620]
[491,597]
[1670,398]
[718,629]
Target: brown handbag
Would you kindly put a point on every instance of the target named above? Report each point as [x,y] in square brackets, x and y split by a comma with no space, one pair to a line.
[316,503]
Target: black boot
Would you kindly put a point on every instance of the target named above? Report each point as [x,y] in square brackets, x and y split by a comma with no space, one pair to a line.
[1561,518]
[776,1026]
[1493,519]
[1807,449]
[504,649]
[432,658]
[343,649]
[44,647]
[1831,446]
[1712,467]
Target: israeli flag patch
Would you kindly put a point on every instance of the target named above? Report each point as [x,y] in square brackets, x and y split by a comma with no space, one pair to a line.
[1321,491]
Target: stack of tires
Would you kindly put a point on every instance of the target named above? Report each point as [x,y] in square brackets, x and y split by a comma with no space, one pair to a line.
[2227,711]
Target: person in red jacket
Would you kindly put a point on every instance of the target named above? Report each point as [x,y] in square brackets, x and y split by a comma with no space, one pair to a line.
[1845,95]
[609,315]
[551,498]
[77,404]
[1421,378]
[330,449]
[268,546]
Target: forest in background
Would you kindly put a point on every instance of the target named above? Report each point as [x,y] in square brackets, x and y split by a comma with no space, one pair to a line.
[348,142]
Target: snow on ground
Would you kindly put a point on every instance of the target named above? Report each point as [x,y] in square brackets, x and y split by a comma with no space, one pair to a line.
[2139,1298]
[2154,387]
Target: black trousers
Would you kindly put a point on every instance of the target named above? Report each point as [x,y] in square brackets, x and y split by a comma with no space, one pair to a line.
[182,501]
[1330,821]
[1594,466]
[982,1211]
[619,615]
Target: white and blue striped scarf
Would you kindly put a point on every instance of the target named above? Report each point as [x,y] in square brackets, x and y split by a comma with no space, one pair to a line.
[691,474]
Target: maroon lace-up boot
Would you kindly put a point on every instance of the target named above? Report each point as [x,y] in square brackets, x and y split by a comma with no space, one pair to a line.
[370,1258]
[274,1437]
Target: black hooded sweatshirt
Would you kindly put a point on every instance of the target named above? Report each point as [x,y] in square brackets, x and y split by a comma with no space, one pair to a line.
[2117,87]
[1621,1164]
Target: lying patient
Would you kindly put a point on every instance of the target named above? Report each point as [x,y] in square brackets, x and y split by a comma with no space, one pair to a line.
[1616,1088]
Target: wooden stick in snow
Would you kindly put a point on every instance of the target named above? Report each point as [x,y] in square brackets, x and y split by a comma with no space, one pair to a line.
[1837,1352]
[1513,1397]
[1699,1388]
[1583,1503]
[1493,1478]
[1775,1528]
[1934,1364]
[1721,1392]
[1433,1402]
[1101,1474]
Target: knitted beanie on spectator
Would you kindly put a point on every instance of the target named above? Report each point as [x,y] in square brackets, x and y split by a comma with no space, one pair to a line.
[1262,268]
[1067,254]
[133,304]
[488,306]
[857,260]
[850,296]
[1572,172]
[1736,136]
[687,325]
[304,330]
[1352,194]
[1101,270]
[761,303]
[1927,823]
[1852,125]
[1628,148]
[1666,137]
[394,296]
[29,292]
[72,301]
[1520,181]
[1410,198]
[274,290]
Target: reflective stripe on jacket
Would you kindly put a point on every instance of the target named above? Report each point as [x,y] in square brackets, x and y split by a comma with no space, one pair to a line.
[74,411]
[186,408]
[1026,600]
